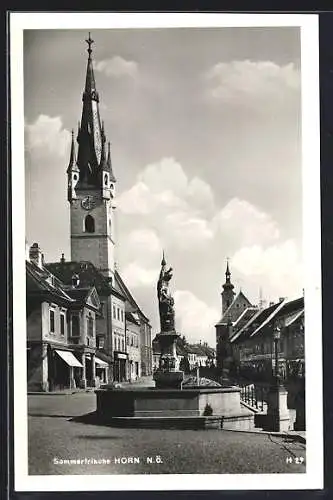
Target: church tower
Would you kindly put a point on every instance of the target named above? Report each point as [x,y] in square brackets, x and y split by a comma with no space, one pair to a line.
[228,291]
[91,184]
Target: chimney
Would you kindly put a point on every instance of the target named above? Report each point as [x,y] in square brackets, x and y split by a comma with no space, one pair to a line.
[281,299]
[271,304]
[35,255]
[62,260]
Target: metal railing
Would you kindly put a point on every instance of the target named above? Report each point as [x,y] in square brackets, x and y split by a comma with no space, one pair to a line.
[254,396]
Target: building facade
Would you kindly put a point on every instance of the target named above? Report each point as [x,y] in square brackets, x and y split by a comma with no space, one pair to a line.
[91,193]
[233,307]
[61,331]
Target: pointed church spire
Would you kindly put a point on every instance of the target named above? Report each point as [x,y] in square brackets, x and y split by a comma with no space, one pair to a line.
[228,290]
[90,78]
[227,272]
[109,164]
[90,134]
[228,283]
[72,159]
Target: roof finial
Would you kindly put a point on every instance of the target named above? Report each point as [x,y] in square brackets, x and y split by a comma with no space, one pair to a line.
[227,273]
[89,41]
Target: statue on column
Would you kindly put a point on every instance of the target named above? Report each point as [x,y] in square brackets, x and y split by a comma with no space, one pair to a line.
[165,300]
[168,374]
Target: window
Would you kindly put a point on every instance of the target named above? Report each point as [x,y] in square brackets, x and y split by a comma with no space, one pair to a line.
[122,345]
[118,313]
[132,340]
[118,344]
[127,340]
[90,327]
[62,324]
[114,312]
[100,343]
[122,315]
[75,326]
[106,179]
[89,224]
[52,321]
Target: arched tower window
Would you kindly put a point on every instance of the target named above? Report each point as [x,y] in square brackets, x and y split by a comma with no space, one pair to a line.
[89,224]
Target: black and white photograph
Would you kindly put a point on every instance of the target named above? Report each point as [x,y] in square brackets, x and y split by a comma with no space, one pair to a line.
[166,251]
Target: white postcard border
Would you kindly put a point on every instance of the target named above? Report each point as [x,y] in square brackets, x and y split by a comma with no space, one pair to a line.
[313,478]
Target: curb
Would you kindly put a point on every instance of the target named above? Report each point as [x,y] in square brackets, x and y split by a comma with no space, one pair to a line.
[293,437]
[60,393]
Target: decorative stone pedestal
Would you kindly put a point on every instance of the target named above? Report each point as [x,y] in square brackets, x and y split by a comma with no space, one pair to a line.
[168,376]
[277,411]
[168,380]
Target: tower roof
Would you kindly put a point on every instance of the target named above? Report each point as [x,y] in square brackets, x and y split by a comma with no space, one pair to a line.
[90,77]
[109,164]
[72,159]
[90,134]
[228,285]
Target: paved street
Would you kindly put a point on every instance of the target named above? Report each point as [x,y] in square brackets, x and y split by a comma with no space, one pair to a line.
[53,437]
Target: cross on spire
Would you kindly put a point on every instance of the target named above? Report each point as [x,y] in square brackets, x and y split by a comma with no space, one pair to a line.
[89,41]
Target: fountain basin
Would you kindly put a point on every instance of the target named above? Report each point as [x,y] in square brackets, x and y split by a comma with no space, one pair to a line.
[194,407]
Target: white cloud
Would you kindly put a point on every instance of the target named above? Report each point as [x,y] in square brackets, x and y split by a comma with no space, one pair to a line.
[188,230]
[164,175]
[248,81]
[136,275]
[46,136]
[167,199]
[244,224]
[194,318]
[117,67]
[279,266]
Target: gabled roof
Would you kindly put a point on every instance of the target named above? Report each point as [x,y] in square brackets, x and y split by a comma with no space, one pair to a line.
[88,274]
[284,309]
[268,318]
[225,318]
[125,291]
[41,281]
[132,317]
[288,312]
[256,320]
[85,296]
[246,315]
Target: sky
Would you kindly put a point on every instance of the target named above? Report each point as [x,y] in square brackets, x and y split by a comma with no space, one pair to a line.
[205,131]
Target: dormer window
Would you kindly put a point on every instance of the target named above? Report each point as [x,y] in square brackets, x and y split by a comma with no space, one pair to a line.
[75,280]
[106,179]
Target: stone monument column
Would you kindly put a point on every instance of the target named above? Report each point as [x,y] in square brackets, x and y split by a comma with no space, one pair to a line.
[168,375]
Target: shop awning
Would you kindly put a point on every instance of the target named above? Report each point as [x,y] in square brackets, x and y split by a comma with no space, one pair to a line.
[101,363]
[69,358]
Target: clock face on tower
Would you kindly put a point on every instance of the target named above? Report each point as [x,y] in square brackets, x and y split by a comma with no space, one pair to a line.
[88,203]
